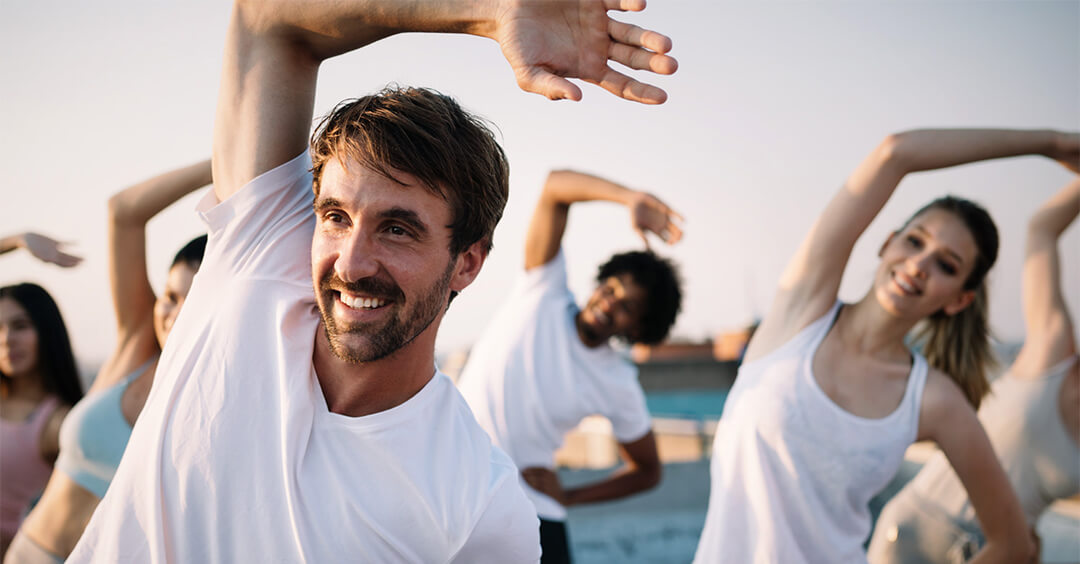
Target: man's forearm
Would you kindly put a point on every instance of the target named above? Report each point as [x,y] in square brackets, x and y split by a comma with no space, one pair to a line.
[621,484]
[565,187]
[330,28]
[272,57]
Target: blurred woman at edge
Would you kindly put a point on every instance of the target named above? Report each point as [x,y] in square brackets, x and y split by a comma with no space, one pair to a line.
[95,434]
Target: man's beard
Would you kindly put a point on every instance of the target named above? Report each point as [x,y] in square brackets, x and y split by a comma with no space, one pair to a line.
[396,332]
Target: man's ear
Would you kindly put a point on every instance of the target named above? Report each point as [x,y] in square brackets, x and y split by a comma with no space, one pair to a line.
[960,302]
[468,265]
[888,240]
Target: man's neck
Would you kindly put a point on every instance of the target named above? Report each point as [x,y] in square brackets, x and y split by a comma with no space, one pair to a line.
[362,389]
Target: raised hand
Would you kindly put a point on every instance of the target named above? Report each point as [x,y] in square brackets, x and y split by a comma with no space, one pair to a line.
[48,250]
[548,41]
[648,213]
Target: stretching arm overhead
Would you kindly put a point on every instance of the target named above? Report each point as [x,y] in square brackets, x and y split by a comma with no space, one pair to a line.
[564,187]
[809,284]
[274,49]
[133,299]
[1049,337]
[129,211]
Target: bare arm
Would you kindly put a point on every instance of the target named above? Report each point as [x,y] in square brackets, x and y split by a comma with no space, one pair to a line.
[133,298]
[641,471]
[564,187]
[46,249]
[274,49]
[1049,337]
[950,421]
[812,278]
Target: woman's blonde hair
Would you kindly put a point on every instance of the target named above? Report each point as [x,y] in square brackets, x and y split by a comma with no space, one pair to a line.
[959,344]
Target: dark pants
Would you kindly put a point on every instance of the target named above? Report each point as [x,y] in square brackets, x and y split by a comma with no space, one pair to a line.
[554,542]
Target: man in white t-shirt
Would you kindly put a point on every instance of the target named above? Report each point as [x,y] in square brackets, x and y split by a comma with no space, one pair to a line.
[287,425]
[543,365]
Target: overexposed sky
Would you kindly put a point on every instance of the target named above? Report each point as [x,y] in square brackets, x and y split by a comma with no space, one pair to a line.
[773,105]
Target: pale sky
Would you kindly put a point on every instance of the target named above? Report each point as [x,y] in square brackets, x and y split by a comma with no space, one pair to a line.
[773,105]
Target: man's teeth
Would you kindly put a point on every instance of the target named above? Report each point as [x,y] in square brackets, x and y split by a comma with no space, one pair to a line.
[362,303]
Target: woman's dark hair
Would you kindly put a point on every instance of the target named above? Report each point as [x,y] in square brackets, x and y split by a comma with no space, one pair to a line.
[192,253]
[660,280]
[959,344]
[56,362]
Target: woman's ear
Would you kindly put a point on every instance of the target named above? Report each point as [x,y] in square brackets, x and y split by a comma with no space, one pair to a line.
[960,302]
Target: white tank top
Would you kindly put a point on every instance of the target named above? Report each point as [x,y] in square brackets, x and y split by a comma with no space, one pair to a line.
[793,472]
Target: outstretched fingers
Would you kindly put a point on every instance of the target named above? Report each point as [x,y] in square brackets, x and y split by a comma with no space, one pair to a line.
[642,59]
[541,81]
[638,49]
[625,5]
[631,89]
[635,36]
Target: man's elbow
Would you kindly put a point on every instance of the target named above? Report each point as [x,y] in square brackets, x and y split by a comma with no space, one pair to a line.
[1020,548]
[1025,550]
[650,476]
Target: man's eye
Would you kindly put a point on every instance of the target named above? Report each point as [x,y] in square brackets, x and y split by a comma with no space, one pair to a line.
[396,230]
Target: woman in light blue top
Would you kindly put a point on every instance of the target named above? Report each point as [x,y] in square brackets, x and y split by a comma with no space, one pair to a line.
[93,437]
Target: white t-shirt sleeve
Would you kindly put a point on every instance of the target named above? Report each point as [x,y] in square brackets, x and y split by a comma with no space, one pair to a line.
[264,229]
[507,532]
[546,278]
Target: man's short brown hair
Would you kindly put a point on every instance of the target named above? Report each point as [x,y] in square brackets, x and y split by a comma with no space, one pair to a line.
[428,135]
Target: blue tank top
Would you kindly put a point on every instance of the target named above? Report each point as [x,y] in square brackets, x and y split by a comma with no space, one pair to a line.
[94,435]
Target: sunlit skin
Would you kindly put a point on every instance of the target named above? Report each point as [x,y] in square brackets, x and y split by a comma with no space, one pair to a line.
[383,273]
[168,304]
[18,340]
[924,267]
[614,310]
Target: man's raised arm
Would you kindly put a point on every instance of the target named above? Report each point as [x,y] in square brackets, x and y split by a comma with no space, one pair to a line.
[274,49]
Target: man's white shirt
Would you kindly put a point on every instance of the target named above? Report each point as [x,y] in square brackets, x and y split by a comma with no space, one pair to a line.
[236,458]
[530,379]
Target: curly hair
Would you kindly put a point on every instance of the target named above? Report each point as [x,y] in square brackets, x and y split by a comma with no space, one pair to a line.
[660,279]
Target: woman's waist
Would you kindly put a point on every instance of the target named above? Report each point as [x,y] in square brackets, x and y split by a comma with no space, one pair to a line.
[61,515]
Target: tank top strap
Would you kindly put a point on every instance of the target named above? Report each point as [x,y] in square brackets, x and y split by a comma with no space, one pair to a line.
[40,417]
[822,326]
[1061,368]
[913,394]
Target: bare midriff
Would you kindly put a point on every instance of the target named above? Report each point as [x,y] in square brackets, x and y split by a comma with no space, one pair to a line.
[60,516]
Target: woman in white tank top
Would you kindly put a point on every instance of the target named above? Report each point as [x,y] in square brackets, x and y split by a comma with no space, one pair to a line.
[829,395]
[1032,418]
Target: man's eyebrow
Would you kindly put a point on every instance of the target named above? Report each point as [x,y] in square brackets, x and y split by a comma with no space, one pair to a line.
[956,256]
[322,204]
[406,216]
